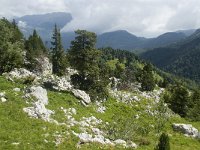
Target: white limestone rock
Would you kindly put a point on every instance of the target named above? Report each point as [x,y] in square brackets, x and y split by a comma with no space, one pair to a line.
[19,73]
[39,93]
[186,129]
[16,89]
[58,83]
[3,99]
[120,142]
[39,111]
[2,94]
[81,95]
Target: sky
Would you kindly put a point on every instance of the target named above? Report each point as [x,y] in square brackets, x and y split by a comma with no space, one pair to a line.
[147,18]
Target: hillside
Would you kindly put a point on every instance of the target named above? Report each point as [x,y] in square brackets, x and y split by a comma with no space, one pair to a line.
[181,58]
[134,115]
[124,40]
[88,98]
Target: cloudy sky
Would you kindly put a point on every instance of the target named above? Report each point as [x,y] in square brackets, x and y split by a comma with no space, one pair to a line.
[141,17]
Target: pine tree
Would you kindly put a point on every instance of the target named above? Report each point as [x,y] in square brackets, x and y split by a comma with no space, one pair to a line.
[83,55]
[163,142]
[179,100]
[193,106]
[34,49]
[86,59]
[147,80]
[58,53]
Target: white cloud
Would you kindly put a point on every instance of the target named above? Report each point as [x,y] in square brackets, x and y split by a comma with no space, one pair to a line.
[22,24]
[141,17]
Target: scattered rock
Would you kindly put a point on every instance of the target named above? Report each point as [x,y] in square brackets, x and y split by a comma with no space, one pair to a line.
[2,94]
[120,142]
[16,89]
[39,93]
[57,83]
[3,99]
[82,95]
[20,73]
[186,129]
[39,111]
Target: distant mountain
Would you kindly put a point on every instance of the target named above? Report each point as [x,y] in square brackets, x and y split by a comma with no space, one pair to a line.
[181,58]
[124,40]
[120,39]
[43,23]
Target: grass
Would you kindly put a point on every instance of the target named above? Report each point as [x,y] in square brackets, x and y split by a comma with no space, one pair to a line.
[17,127]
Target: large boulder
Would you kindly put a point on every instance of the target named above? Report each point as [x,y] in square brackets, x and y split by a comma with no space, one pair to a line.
[186,129]
[82,95]
[39,93]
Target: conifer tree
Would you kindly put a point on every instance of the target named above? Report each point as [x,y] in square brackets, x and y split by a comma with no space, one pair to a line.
[58,54]
[163,142]
[84,57]
[147,80]
[34,49]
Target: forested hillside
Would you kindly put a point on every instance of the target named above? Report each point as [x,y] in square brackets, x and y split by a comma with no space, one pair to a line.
[181,58]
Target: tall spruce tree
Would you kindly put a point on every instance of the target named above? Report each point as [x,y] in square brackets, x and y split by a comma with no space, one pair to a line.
[34,49]
[58,53]
[147,80]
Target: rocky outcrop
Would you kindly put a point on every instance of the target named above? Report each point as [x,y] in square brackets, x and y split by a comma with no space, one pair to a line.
[186,129]
[64,84]
[19,73]
[40,99]
[43,66]
[57,83]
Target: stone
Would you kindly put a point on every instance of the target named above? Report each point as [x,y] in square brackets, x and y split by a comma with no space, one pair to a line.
[186,129]
[101,109]
[16,89]
[131,144]
[2,94]
[120,142]
[39,111]
[3,99]
[19,73]
[81,95]
[57,83]
[39,93]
